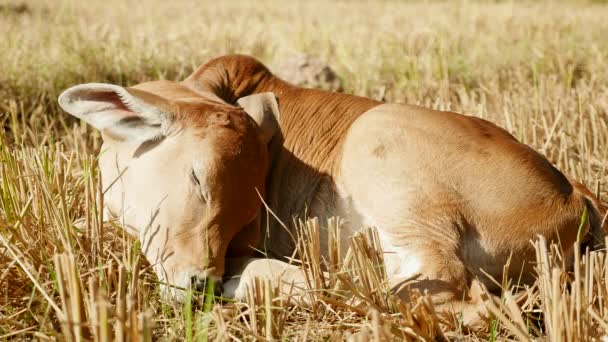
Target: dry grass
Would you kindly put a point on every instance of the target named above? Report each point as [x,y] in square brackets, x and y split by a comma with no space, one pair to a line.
[538,69]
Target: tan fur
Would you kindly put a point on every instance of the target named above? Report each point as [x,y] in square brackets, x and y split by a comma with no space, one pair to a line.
[452,195]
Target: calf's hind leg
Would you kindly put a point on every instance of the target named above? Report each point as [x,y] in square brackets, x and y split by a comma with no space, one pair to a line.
[392,172]
[429,261]
[452,290]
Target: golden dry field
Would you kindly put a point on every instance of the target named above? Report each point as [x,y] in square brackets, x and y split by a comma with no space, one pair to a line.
[539,69]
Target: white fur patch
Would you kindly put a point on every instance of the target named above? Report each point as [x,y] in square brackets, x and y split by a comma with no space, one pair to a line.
[400,262]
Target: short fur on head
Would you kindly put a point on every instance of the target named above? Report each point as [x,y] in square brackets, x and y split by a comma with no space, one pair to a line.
[183,171]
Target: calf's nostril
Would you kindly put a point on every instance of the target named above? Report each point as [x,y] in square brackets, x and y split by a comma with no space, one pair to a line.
[219,288]
[201,285]
[198,284]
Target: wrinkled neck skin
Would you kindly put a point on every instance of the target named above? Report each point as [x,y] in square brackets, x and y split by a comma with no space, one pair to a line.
[303,179]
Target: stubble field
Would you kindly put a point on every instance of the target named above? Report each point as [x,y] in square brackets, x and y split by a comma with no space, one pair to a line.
[539,69]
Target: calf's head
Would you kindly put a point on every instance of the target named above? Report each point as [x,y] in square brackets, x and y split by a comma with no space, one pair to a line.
[181,170]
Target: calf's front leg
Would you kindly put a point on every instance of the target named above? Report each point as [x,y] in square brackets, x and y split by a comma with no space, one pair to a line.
[289,279]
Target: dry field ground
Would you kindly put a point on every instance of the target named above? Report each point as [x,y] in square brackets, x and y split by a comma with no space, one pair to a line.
[539,69]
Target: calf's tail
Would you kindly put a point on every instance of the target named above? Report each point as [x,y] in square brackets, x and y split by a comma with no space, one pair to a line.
[597,218]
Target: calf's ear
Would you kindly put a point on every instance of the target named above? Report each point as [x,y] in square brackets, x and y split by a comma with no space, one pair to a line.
[125,114]
[264,109]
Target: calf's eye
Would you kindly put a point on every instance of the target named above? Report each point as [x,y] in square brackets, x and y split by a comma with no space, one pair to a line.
[203,192]
[194,178]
